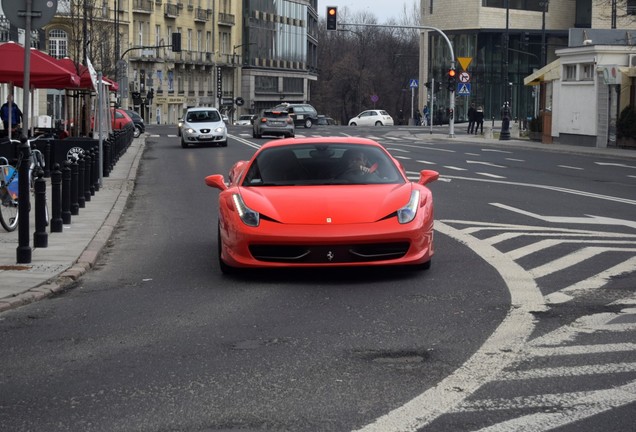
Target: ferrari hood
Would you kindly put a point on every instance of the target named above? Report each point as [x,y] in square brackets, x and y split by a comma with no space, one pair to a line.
[317,205]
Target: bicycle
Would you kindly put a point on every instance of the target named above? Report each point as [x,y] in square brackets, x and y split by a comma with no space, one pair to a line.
[9,210]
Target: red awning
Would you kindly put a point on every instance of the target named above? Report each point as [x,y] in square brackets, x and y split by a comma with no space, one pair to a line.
[85,75]
[44,71]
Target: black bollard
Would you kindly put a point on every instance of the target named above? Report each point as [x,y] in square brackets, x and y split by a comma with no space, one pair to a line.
[94,172]
[40,236]
[81,163]
[66,193]
[106,150]
[23,252]
[87,177]
[97,169]
[74,188]
[47,158]
[56,199]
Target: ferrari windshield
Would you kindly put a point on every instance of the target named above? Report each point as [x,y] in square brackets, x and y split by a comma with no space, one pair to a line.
[320,164]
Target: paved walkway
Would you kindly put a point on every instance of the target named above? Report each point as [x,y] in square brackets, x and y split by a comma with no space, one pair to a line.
[74,251]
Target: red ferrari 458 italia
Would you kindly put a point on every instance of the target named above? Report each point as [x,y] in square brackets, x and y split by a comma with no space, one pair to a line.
[318,202]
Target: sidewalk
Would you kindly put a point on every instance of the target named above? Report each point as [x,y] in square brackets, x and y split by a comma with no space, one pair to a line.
[72,252]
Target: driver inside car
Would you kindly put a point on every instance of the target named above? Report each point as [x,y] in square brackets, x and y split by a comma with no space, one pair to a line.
[357,162]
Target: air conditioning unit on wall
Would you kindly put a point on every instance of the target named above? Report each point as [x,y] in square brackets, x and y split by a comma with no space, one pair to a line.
[631,60]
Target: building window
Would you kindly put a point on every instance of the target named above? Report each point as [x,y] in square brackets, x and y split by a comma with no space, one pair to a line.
[587,72]
[58,43]
[528,5]
[631,7]
[569,73]
[265,84]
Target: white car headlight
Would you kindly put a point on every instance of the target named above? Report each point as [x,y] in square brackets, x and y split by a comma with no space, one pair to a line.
[190,130]
[407,213]
[219,129]
[247,215]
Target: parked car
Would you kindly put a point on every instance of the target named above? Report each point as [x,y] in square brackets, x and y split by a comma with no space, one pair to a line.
[120,119]
[244,120]
[140,126]
[325,121]
[323,202]
[372,118]
[203,125]
[272,122]
[302,114]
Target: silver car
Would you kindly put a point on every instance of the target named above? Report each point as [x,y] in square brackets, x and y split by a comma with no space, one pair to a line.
[203,125]
[273,122]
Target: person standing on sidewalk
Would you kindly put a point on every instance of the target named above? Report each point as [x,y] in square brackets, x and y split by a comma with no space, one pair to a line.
[425,116]
[479,119]
[10,110]
[471,118]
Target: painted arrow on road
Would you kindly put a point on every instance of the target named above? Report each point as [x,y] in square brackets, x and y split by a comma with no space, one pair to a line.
[587,220]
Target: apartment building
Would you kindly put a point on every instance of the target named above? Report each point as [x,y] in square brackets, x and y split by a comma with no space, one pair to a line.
[273,41]
[480,30]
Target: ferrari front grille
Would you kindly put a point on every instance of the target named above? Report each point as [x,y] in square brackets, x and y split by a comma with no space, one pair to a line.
[307,254]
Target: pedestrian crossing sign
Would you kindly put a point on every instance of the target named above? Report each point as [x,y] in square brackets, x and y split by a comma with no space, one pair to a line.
[463,89]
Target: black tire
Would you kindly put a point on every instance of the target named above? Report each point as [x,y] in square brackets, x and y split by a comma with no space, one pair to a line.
[308,123]
[183,143]
[9,215]
[379,123]
[353,124]
[223,143]
[225,269]
[137,132]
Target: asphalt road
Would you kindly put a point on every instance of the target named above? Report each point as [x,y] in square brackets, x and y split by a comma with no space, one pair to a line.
[525,319]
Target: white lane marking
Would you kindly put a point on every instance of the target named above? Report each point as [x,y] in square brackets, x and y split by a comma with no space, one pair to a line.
[392,149]
[500,350]
[515,160]
[614,164]
[455,168]
[588,219]
[490,164]
[472,154]
[593,282]
[569,371]
[546,244]
[631,176]
[552,188]
[495,151]
[569,167]
[490,175]
[427,162]
[560,350]
[402,157]
[572,259]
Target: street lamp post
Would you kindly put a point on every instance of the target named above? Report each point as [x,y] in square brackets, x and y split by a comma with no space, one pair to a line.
[544,56]
[505,110]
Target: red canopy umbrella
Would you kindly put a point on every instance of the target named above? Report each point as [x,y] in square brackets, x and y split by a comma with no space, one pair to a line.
[44,70]
[85,76]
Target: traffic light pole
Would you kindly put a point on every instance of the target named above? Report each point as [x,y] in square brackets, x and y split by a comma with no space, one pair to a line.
[451,121]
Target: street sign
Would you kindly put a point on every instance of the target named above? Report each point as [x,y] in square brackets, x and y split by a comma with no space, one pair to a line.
[464,77]
[413,83]
[42,11]
[463,89]
[464,62]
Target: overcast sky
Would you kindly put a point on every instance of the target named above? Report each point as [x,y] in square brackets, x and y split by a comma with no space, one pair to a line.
[382,9]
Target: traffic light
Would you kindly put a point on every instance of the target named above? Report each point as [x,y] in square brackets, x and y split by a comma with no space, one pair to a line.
[332,18]
[176,42]
[150,96]
[451,75]
[428,85]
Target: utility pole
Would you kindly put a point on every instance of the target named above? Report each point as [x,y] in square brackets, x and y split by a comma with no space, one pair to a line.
[613,14]
[505,110]
[544,54]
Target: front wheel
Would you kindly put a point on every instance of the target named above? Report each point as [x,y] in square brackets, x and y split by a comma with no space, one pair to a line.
[137,132]
[9,213]
[184,144]
[353,124]
[308,123]
[225,269]
[378,123]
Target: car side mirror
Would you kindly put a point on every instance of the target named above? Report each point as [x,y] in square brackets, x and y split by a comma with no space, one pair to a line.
[216,181]
[428,176]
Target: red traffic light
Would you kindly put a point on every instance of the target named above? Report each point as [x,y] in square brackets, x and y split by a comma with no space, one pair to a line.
[451,73]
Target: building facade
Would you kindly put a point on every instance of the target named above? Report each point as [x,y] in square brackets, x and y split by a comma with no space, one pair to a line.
[532,31]
[272,41]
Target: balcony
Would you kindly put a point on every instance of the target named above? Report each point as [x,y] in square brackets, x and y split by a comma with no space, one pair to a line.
[171,10]
[226,19]
[201,15]
[143,6]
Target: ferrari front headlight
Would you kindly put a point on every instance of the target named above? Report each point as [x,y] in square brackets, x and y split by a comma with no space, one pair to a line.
[407,213]
[247,215]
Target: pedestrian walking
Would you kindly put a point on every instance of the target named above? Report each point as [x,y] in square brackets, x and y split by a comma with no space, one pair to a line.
[479,119]
[471,118]
[425,116]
